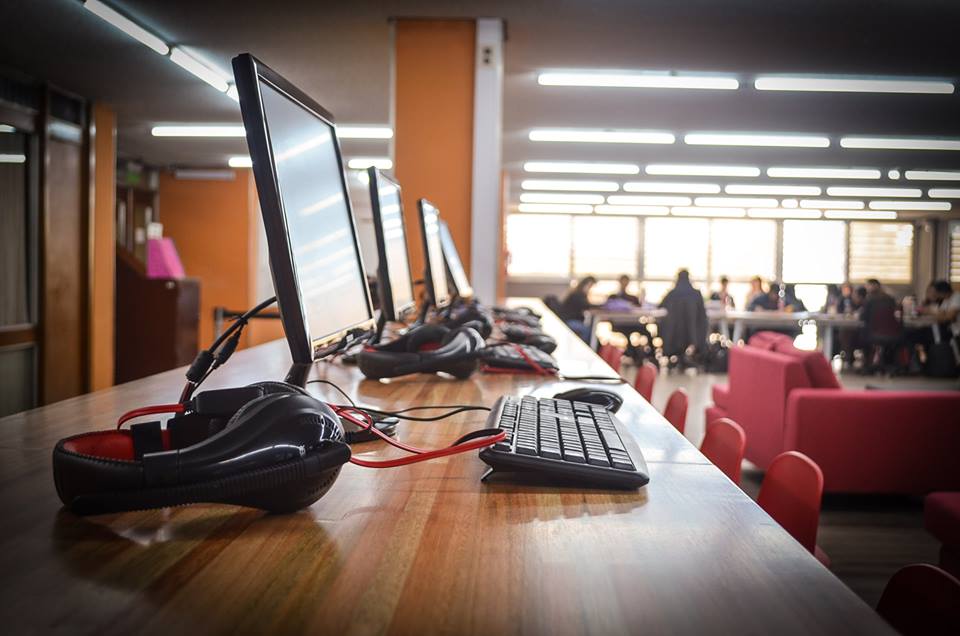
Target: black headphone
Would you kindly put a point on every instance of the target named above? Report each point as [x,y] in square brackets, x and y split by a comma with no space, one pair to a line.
[270,445]
[425,349]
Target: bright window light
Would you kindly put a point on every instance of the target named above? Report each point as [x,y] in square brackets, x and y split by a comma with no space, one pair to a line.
[583,186]
[639,210]
[199,69]
[578,167]
[745,188]
[932,175]
[655,186]
[752,139]
[356,131]
[839,191]
[851,85]
[624,199]
[187,130]
[233,94]
[781,213]
[126,25]
[911,205]
[900,143]
[240,161]
[555,208]
[709,212]
[814,251]
[862,215]
[736,202]
[362,163]
[637,80]
[823,173]
[551,235]
[560,197]
[944,193]
[693,170]
[12,158]
[602,136]
[822,204]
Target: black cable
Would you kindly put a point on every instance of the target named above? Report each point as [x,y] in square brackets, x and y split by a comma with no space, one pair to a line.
[413,418]
[339,390]
[593,378]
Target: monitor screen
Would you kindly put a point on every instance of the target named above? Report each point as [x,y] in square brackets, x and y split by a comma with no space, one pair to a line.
[393,274]
[454,264]
[436,275]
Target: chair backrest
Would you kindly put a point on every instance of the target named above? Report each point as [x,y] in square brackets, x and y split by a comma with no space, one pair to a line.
[921,599]
[676,409]
[646,377]
[724,445]
[612,355]
[791,493]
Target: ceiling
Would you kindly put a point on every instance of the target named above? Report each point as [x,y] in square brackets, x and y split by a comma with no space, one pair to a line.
[340,54]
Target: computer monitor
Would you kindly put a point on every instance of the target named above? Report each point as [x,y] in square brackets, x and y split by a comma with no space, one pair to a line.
[311,233]
[435,278]
[394,281]
[461,283]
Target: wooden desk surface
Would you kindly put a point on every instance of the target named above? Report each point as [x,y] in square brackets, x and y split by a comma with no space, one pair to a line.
[419,549]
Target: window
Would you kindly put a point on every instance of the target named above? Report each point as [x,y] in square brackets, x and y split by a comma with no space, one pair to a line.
[538,245]
[673,244]
[881,250]
[605,245]
[954,265]
[742,249]
[814,251]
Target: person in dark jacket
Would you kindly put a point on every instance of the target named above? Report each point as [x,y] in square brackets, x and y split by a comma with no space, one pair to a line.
[575,304]
[685,326]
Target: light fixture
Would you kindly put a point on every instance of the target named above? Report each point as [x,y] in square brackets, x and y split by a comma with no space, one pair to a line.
[824,173]
[579,167]
[781,213]
[839,191]
[757,139]
[625,199]
[12,158]
[198,130]
[555,208]
[240,161]
[560,184]
[637,80]
[560,197]
[851,84]
[900,143]
[7,129]
[602,136]
[638,210]
[860,216]
[711,212]
[693,170]
[932,175]
[893,174]
[657,186]
[362,163]
[944,193]
[911,205]
[746,188]
[201,70]
[128,26]
[354,131]
[839,204]
[204,174]
[736,202]
[233,94]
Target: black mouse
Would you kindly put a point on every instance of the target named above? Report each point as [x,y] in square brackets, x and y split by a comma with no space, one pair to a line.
[593,395]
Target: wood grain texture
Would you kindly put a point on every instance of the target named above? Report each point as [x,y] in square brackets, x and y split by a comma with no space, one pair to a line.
[426,548]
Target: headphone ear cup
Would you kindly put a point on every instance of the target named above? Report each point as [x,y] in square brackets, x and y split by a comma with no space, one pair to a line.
[271,386]
[426,334]
[242,412]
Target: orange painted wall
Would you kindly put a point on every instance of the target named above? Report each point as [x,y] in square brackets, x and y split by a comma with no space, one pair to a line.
[433,120]
[103,252]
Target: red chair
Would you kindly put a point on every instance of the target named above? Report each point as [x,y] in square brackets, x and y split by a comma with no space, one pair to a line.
[611,355]
[724,445]
[676,409]
[921,599]
[646,377]
[791,493]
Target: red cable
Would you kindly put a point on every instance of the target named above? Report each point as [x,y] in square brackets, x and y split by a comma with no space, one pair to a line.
[536,367]
[367,424]
[149,410]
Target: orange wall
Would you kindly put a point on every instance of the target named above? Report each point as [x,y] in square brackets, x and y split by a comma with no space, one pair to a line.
[433,120]
[103,252]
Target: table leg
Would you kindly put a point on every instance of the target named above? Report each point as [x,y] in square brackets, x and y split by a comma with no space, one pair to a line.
[592,328]
[737,330]
[827,340]
[725,328]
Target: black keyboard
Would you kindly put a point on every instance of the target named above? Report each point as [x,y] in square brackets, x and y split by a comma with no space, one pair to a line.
[573,441]
[509,356]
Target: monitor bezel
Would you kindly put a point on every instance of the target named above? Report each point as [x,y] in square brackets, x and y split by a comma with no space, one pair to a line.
[446,237]
[248,72]
[384,284]
[428,279]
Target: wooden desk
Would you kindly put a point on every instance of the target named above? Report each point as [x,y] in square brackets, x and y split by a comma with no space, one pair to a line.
[421,549]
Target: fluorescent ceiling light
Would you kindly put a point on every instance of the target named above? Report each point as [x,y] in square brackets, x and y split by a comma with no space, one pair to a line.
[753,139]
[911,205]
[734,202]
[602,136]
[204,174]
[838,191]
[9,129]
[824,173]
[860,216]
[933,175]
[746,188]
[656,186]
[780,213]
[199,69]
[893,174]
[12,158]
[555,208]
[558,184]
[233,94]
[241,161]
[622,199]
[637,80]
[128,26]
[900,143]
[362,163]
[704,211]
[840,204]
[364,132]
[944,193]
[789,203]
[189,130]
[692,170]
[851,85]
[560,197]
[578,167]
[639,210]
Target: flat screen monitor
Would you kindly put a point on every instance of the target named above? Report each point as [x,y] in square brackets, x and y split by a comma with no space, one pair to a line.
[311,233]
[435,279]
[394,281]
[458,275]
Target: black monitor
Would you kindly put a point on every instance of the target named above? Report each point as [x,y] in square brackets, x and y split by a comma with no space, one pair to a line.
[435,276]
[394,280]
[312,238]
[458,275]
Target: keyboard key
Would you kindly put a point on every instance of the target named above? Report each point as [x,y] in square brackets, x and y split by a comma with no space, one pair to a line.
[613,440]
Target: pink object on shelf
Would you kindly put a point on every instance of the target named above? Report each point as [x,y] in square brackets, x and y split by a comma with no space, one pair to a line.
[163,260]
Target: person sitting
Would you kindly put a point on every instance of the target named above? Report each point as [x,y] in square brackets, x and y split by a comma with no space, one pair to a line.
[756,291]
[723,295]
[790,301]
[684,329]
[834,299]
[945,308]
[770,301]
[575,304]
[882,331]
[623,294]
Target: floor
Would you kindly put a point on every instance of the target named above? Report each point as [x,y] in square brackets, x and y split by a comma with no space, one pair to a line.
[868,538]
